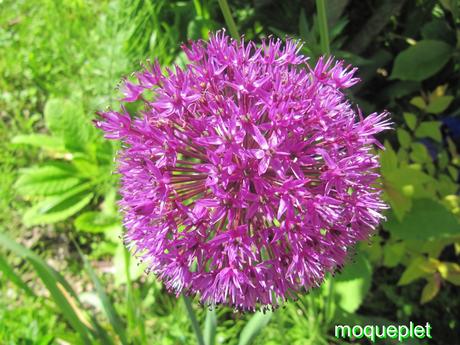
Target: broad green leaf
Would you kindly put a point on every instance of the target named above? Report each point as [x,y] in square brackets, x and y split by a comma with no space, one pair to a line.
[254,326]
[404,183]
[104,153]
[399,202]
[411,120]
[210,327]
[56,208]
[427,219]
[429,129]
[419,267]
[9,273]
[392,254]
[439,104]
[40,140]
[107,306]
[438,29]
[421,61]
[60,290]
[47,180]
[86,166]
[353,283]
[432,248]
[65,118]
[96,222]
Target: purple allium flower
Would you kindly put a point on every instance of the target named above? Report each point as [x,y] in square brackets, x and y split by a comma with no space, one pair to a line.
[248,174]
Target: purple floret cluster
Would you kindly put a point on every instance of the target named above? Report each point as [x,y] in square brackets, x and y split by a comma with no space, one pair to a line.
[248,175]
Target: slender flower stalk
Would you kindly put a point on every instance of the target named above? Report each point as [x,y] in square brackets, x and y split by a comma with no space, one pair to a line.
[228,18]
[248,175]
[194,321]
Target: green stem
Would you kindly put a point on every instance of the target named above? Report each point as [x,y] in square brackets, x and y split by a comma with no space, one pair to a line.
[229,19]
[323,26]
[192,317]
[199,11]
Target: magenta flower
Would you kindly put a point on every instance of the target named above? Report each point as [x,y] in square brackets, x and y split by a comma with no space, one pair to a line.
[248,175]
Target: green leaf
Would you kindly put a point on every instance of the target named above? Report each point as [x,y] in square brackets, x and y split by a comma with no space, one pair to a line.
[419,153]
[411,120]
[47,180]
[352,285]
[388,160]
[429,129]
[135,269]
[430,290]
[66,119]
[107,306]
[419,267]
[199,28]
[13,277]
[304,30]
[403,137]
[419,102]
[255,325]
[450,271]
[421,61]
[393,253]
[404,183]
[40,140]
[427,219]
[439,104]
[96,222]
[210,327]
[60,290]
[86,166]
[438,29]
[56,208]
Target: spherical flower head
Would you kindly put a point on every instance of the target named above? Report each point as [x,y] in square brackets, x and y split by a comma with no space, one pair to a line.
[248,175]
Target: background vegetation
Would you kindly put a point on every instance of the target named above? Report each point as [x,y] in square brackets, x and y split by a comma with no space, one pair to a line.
[65,277]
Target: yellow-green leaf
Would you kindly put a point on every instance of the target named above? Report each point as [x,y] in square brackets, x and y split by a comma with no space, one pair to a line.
[418,102]
[450,271]
[418,268]
[439,104]
[431,289]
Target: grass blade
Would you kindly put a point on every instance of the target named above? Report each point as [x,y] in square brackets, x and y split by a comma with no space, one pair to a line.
[13,277]
[210,326]
[323,26]
[255,325]
[109,309]
[229,19]
[194,321]
[136,322]
[62,294]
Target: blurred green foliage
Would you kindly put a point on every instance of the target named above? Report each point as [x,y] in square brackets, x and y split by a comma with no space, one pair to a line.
[66,277]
